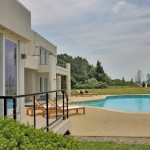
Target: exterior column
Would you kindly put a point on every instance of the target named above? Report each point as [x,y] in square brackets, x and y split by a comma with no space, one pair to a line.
[68,80]
[58,83]
[21,84]
[2,82]
[52,75]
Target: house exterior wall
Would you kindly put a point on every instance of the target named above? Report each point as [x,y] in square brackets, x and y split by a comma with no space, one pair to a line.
[29,43]
[1,74]
[1,63]
[18,18]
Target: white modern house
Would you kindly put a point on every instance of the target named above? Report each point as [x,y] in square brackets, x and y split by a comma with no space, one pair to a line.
[28,62]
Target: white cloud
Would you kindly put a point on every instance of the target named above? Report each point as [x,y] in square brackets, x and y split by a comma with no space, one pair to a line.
[119,6]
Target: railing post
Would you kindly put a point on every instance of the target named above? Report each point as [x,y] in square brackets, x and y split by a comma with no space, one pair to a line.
[47,116]
[34,111]
[63,106]
[14,109]
[67,103]
[5,106]
[56,106]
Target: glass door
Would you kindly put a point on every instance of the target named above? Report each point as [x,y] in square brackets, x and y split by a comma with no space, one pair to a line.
[10,68]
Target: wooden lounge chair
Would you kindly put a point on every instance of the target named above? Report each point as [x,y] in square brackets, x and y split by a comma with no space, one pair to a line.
[39,106]
[81,93]
[87,93]
[60,108]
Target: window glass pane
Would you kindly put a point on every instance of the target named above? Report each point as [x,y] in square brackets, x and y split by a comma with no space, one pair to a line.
[41,85]
[44,56]
[45,84]
[10,68]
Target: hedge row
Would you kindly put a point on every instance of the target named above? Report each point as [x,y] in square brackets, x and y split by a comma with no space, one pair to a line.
[100,85]
[16,136]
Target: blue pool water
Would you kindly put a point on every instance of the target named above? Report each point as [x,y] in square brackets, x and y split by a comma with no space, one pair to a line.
[9,104]
[128,103]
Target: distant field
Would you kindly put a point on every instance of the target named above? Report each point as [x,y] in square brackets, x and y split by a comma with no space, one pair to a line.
[115,90]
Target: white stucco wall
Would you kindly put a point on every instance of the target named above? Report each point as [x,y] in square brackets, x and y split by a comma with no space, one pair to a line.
[40,41]
[1,64]
[15,17]
[52,74]
[21,76]
[1,75]
[15,24]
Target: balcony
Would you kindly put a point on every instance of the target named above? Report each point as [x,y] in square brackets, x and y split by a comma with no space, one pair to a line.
[61,63]
[43,68]
[62,68]
[31,62]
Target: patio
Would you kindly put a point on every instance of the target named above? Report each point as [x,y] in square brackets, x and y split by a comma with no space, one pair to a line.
[103,122]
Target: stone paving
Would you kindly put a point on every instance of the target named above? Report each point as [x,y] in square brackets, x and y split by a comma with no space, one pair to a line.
[103,122]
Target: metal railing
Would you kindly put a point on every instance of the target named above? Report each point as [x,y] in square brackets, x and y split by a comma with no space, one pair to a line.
[33,95]
[61,63]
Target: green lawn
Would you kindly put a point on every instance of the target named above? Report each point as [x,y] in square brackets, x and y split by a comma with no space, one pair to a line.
[112,146]
[115,90]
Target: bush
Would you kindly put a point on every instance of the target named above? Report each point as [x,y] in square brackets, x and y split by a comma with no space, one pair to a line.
[91,84]
[101,85]
[15,136]
[83,86]
[143,84]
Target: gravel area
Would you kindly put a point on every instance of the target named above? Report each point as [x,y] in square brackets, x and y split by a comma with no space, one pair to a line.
[119,140]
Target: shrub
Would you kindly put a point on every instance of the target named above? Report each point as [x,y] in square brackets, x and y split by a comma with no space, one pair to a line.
[143,84]
[83,86]
[91,81]
[15,136]
[91,84]
[101,85]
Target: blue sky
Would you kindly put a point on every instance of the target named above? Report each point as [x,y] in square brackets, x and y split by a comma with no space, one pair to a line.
[115,32]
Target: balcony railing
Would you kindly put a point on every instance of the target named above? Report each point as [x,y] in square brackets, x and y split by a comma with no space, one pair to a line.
[17,98]
[61,63]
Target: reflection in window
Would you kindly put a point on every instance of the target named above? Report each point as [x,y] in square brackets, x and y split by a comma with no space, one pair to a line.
[44,57]
[10,68]
[43,84]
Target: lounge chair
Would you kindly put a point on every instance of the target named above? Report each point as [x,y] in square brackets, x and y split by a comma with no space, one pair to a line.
[86,92]
[60,108]
[39,106]
[81,93]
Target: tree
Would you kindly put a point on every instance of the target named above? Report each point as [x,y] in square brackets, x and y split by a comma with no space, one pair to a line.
[123,81]
[148,78]
[131,80]
[91,70]
[81,70]
[143,84]
[139,76]
[99,72]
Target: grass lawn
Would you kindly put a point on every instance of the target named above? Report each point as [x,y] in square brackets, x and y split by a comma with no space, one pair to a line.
[116,90]
[112,146]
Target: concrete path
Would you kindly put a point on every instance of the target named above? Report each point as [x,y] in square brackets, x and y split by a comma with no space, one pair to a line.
[102,122]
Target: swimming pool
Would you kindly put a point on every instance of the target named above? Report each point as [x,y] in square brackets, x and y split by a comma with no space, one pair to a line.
[127,103]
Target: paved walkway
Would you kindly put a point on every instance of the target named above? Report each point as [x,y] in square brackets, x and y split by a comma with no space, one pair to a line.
[102,122]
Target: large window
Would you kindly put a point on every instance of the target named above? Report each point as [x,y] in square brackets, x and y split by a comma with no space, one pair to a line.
[44,57]
[10,68]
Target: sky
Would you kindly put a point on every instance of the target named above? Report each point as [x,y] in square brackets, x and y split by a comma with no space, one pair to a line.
[115,32]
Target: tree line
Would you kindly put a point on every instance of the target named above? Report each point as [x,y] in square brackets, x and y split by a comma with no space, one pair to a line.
[86,76]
